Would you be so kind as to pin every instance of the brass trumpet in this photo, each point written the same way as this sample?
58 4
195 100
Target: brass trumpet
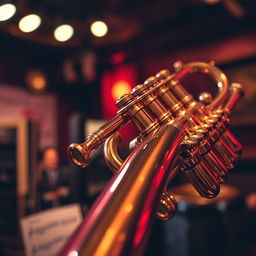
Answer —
177 134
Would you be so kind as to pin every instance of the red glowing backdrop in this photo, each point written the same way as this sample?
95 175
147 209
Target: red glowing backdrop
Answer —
115 82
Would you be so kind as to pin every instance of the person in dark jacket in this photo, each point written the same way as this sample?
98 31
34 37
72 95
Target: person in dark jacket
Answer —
55 182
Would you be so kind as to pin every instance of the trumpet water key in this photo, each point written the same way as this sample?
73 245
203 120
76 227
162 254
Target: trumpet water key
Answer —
177 134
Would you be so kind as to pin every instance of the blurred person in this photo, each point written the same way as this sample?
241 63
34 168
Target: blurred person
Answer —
55 184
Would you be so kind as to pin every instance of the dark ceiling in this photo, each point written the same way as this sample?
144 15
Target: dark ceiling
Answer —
136 25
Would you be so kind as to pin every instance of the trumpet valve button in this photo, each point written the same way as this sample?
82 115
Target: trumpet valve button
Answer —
139 90
163 74
205 98
123 100
151 81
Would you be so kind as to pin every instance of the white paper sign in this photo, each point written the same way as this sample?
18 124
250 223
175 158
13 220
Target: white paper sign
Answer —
46 232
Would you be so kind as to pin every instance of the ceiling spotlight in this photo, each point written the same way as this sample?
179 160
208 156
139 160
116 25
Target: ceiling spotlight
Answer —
99 28
29 23
7 11
63 32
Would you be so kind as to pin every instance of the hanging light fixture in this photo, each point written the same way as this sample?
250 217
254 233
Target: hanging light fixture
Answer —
7 11
99 28
63 32
29 23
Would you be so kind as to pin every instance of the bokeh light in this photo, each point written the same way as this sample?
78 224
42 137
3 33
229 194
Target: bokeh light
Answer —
7 11
29 23
63 32
99 28
36 80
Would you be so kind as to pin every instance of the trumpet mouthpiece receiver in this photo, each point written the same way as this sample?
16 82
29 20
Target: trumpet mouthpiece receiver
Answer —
79 155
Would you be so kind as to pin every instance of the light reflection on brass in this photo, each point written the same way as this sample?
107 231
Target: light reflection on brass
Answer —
110 152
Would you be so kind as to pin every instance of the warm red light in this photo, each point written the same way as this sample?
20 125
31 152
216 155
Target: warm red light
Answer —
36 80
120 88
122 76
117 58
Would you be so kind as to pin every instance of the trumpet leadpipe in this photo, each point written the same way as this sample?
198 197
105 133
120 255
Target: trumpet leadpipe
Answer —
80 153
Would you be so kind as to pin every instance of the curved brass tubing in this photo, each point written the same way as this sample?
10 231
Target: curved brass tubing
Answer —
214 72
111 155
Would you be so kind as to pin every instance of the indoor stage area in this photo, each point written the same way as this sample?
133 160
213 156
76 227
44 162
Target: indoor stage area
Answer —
127 128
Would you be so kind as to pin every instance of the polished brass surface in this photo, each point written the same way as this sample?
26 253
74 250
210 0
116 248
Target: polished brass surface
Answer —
111 154
176 134
217 168
232 142
196 169
137 113
151 102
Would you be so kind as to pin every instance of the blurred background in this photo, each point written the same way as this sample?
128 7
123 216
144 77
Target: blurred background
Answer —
64 63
